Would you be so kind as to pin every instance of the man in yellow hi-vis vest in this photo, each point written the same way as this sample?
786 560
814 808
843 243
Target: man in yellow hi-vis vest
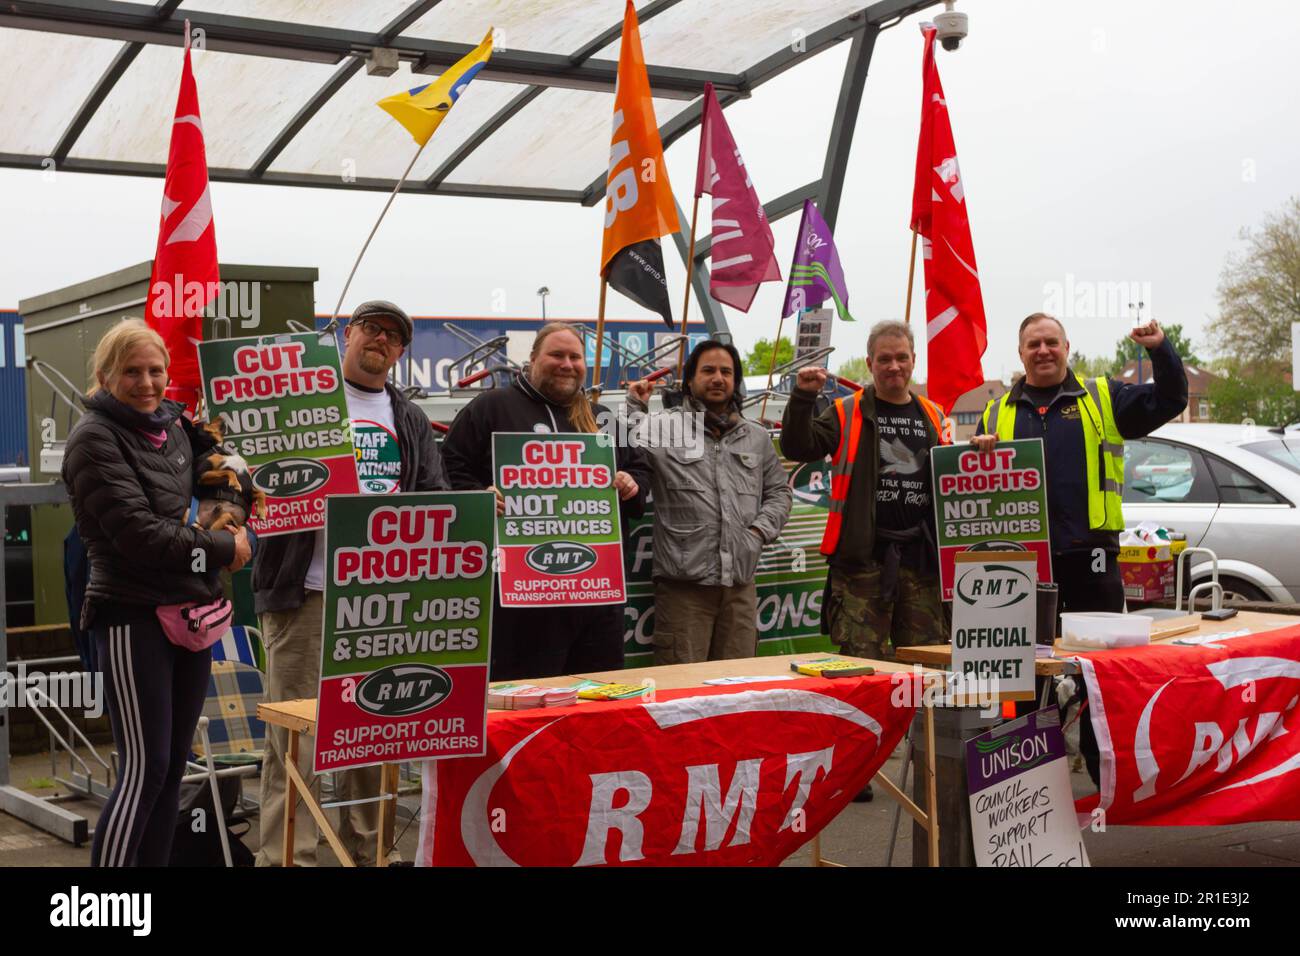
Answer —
1083 423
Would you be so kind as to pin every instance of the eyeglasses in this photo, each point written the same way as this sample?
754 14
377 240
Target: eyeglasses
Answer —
374 330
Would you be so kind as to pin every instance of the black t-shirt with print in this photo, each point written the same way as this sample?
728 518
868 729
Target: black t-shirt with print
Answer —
903 491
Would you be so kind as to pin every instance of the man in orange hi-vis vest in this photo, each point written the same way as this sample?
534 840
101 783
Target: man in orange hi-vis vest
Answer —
883 589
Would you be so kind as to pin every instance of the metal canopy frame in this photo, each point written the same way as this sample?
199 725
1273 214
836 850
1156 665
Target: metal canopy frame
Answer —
163 23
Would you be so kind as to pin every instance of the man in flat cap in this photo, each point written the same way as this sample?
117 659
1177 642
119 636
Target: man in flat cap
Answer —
289 576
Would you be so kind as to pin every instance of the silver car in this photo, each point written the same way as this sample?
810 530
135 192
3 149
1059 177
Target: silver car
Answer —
1231 488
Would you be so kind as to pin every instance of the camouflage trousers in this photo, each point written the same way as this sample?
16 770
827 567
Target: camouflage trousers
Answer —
864 625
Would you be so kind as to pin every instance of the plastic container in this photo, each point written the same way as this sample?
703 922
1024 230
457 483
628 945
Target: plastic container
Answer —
1105 629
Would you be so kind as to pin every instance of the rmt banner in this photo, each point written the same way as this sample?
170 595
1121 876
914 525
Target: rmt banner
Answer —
281 405
718 776
1202 734
990 501
559 542
407 622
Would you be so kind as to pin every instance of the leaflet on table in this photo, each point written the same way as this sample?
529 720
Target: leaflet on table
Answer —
559 541
280 402
406 628
597 690
990 501
831 667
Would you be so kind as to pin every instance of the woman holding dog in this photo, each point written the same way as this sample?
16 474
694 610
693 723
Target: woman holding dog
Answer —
129 468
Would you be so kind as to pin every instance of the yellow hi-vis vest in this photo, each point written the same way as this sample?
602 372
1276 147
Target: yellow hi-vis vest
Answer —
1101 439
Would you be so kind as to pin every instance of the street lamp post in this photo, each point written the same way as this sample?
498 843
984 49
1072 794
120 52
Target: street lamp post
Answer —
543 292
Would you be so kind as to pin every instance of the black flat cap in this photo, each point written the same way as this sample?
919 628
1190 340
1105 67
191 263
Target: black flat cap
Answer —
378 307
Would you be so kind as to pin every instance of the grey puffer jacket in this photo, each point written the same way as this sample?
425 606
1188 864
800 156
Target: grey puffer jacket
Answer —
711 496
130 499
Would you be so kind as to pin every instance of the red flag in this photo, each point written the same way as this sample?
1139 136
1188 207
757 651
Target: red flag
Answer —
742 250
185 277
1197 736
956 335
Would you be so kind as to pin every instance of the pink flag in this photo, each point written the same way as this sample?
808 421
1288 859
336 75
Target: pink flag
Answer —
742 251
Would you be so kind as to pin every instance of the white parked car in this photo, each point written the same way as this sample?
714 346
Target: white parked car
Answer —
1231 488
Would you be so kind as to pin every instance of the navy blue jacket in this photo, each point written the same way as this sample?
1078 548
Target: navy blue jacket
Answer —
1139 410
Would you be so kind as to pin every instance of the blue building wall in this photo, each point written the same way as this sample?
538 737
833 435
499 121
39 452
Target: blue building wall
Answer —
13 391
434 348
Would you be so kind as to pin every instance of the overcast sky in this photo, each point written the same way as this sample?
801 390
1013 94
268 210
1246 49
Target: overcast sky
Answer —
1101 143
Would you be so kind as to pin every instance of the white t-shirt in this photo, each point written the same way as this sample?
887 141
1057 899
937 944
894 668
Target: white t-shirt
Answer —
379 461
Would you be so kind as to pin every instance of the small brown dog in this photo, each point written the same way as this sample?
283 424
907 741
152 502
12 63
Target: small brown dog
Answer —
226 494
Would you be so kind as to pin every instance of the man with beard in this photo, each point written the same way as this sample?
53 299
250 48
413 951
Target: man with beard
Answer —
720 496
547 398
397 453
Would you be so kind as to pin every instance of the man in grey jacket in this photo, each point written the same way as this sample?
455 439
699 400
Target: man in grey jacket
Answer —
720 494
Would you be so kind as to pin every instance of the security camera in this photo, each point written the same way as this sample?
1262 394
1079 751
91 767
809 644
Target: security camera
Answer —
951 27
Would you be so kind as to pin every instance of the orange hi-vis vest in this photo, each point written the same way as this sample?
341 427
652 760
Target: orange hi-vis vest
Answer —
849 411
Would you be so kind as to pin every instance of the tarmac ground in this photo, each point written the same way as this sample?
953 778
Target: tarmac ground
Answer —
859 837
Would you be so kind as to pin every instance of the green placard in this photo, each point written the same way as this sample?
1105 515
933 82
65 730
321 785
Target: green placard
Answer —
559 541
281 405
990 501
406 629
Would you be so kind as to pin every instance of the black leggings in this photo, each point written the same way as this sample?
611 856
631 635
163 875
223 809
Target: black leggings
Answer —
155 694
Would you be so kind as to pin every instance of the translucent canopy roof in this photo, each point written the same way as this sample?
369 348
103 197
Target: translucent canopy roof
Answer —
287 87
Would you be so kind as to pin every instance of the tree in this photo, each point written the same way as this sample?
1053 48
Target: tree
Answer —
1259 292
1261 393
759 359
1089 367
855 369
1126 350
1259 298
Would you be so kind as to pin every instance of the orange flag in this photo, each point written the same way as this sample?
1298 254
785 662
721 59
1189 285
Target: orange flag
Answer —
639 205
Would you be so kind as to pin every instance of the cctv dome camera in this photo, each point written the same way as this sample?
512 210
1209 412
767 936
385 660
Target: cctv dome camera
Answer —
951 27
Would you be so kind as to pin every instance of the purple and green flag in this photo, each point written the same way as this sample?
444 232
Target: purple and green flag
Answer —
816 274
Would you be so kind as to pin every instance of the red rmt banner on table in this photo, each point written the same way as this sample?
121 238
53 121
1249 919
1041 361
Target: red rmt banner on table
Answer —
1197 736
700 777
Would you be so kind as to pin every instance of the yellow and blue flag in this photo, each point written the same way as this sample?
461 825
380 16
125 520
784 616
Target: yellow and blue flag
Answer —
422 109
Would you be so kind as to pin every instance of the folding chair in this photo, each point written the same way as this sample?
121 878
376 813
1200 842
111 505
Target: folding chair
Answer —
242 644
231 738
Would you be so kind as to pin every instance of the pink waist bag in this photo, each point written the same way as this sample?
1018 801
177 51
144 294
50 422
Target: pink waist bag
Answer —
196 627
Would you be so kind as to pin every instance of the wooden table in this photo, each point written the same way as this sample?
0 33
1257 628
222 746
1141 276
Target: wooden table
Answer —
298 717
939 656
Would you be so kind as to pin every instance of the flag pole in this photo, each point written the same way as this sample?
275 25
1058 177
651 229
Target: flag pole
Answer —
384 212
762 412
600 339
690 272
911 271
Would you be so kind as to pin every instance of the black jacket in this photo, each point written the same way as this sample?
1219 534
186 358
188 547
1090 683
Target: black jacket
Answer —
281 563
1139 410
521 408
808 436
130 501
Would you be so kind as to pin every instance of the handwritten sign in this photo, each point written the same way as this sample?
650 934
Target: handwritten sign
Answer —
1021 806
